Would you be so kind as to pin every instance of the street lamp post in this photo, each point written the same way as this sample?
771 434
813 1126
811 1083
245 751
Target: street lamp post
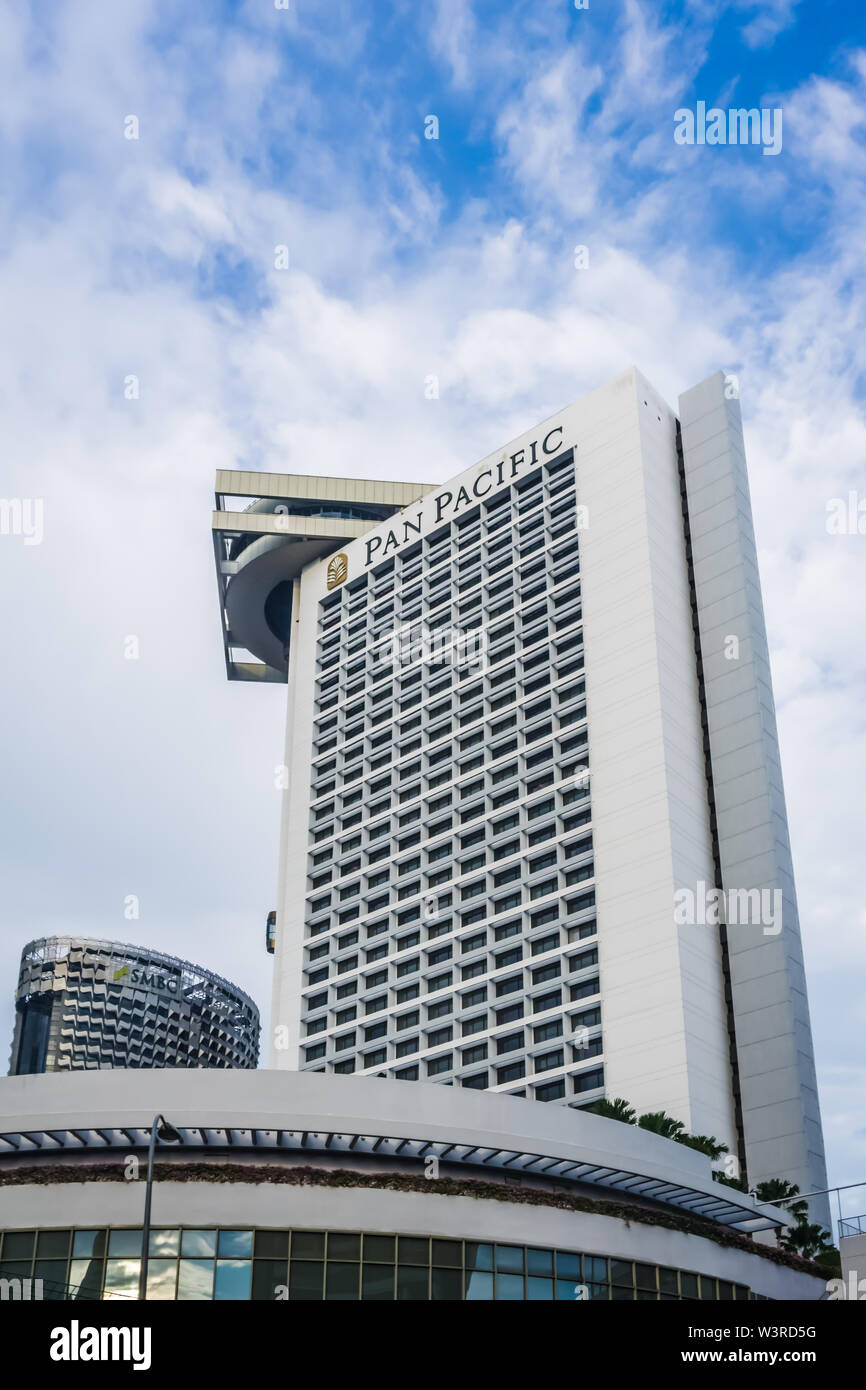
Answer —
160 1129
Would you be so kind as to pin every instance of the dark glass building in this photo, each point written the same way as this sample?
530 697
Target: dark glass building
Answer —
86 1005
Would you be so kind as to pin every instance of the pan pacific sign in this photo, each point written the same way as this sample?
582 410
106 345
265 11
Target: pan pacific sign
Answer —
442 506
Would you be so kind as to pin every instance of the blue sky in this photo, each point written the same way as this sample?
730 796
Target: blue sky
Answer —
154 258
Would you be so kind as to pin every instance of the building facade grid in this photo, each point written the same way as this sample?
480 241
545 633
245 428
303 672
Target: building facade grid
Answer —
450 928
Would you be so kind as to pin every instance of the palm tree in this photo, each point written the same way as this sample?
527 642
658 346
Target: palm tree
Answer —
615 1110
739 1183
704 1143
774 1189
659 1123
807 1240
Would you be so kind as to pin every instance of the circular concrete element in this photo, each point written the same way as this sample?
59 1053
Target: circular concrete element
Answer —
263 564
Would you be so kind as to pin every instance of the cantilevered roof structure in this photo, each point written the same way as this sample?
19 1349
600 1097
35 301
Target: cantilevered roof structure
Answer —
266 528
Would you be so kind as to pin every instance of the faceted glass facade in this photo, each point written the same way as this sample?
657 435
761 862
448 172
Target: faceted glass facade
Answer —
306 1266
86 1005
450 929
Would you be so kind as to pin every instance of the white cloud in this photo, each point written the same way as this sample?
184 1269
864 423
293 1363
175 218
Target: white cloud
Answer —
453 36
771 19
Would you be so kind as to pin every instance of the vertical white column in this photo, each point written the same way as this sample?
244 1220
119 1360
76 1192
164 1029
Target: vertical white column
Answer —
663 1011
294 835
781 1114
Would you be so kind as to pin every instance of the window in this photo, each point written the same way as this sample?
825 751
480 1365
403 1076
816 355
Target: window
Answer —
541 890
546 1061
509 1015
507 903
509 875
474 890
545 943
585 959
589 1080
474 1025
588 1018
510 957
545 917
507 929
477 967
509 986
472 943
513 1072
552 1090
468 866
585 990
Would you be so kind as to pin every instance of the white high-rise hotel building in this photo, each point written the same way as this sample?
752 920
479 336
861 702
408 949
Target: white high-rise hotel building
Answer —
502 827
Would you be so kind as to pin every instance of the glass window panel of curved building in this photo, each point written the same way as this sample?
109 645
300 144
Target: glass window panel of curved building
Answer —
333 1266
88 1005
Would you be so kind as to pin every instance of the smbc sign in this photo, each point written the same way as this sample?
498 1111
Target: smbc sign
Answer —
170 985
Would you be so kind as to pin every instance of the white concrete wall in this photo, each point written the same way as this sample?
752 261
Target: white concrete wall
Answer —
663 1019
852 1250
294 836
781 1113
265 1205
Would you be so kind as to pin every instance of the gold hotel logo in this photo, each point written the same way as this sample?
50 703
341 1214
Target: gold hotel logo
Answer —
338 569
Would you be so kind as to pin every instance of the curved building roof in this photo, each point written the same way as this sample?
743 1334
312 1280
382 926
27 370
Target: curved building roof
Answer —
310 1114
